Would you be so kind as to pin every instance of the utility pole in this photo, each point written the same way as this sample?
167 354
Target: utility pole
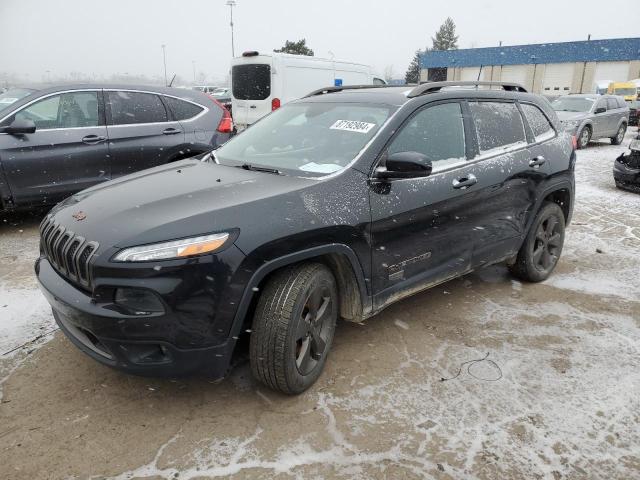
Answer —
232 3
164 60
193 63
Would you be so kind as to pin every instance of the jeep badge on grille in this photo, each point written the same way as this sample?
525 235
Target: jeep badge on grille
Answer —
79 216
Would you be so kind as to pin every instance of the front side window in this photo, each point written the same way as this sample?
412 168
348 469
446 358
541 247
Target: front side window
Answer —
135 107
309 139
611 104
602 104
251 82
538 122
67 110
437 132
498 125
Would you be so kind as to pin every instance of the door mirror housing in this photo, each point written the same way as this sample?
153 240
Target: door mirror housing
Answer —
405 165
19 126
600 110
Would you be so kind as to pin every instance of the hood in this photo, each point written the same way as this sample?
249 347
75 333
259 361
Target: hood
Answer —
564 116
168 202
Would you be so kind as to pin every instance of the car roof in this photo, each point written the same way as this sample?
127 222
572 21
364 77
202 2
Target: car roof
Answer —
44 89
399 95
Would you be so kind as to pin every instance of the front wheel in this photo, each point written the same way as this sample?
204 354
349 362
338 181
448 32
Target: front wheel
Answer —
585 137
542 247
617 140
293 327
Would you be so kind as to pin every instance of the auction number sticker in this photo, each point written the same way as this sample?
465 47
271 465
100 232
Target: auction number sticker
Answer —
352 126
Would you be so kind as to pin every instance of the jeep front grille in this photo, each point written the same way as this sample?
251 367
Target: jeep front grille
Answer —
69 254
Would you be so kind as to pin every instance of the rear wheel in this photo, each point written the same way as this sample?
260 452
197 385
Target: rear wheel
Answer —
585 137
619 137
541 250
293 327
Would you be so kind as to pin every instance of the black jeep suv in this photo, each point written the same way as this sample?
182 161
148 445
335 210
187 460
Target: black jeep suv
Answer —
333 206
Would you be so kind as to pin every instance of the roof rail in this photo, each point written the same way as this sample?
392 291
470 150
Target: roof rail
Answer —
322 91
432 87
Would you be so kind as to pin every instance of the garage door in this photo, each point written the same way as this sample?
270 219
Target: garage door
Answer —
612 71
515 74
557 78
469 74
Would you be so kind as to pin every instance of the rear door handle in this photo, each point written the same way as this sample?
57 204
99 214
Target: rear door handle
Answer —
537 161
171 131
465 182
93 139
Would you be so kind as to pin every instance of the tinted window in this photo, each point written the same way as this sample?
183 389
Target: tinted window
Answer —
69 110
437 132
612 104
251 82
182 110
134 107
537 121
498 125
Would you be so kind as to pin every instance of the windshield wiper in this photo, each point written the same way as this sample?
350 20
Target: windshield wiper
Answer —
254 168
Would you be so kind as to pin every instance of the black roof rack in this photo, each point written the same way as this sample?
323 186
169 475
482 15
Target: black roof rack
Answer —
322 91
432 87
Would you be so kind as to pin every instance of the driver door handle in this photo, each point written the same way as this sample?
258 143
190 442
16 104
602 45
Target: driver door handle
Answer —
93 139
171 131
537 161
465 182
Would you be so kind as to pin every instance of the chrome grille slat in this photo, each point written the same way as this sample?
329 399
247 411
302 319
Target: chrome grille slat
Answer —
69 254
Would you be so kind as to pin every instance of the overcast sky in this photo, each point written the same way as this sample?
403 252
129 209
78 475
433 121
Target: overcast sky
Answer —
118 36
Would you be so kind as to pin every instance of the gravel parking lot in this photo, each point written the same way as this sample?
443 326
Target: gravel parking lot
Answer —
557 397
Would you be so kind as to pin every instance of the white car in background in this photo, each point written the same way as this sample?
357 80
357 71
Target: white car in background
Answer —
263 83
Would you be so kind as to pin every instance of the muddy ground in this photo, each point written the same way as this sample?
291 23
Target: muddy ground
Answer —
562 399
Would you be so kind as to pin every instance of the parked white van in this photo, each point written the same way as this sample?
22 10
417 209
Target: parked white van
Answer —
262 83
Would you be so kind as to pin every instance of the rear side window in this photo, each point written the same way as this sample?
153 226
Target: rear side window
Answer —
437 132
498 125
134 107
182 110
612 104
251 82
538 122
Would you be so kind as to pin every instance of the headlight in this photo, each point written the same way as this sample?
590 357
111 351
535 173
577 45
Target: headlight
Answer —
186 247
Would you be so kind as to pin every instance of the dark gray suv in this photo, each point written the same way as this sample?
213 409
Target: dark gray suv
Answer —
57 141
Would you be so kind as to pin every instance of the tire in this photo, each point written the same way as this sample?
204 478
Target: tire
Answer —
619 137
584 137
542 247
293 327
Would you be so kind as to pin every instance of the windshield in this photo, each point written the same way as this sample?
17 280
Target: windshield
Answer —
572 104
251 82
311 138
13 95
624 91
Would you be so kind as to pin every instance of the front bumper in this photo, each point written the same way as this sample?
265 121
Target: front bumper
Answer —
626 177
172 343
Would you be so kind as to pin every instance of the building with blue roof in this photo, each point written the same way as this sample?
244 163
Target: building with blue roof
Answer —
548 68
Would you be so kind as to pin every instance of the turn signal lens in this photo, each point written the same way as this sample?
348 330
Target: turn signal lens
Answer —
187 247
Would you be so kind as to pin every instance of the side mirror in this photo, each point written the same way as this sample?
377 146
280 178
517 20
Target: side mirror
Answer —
600 110
19 126
405 165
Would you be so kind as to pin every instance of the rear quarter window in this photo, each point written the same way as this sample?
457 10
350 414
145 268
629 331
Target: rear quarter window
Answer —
538 122
498 125
182 110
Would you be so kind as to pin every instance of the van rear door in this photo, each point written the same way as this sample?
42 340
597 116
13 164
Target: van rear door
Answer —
251 90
